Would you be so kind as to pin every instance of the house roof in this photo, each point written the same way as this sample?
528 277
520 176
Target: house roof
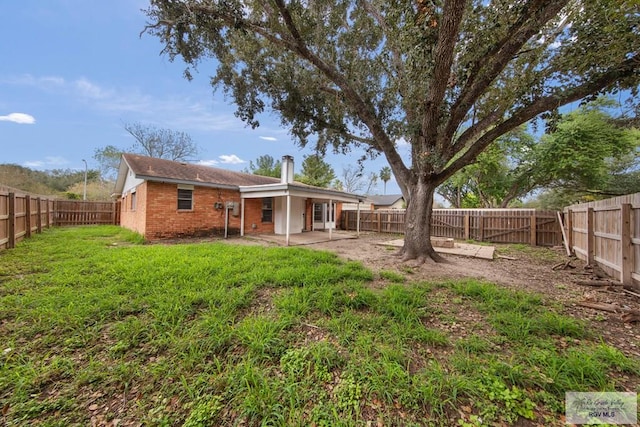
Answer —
386 200
154 169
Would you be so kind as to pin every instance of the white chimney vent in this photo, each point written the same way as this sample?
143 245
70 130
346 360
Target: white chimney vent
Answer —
287 170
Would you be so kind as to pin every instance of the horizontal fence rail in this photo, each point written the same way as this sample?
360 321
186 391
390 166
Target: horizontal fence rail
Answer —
607 233
530 226
22 215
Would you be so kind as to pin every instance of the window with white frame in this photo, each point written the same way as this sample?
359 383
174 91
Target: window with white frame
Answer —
267 209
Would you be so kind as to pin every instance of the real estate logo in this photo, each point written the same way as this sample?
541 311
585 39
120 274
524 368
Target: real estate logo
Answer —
601 408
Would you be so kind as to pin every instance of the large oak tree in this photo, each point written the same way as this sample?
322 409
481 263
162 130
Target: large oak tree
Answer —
448 77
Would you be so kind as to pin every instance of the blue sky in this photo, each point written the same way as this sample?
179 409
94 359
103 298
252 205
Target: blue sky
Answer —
72 72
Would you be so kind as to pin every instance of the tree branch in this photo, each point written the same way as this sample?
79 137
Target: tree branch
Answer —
489 66
626 68
447 36
365 111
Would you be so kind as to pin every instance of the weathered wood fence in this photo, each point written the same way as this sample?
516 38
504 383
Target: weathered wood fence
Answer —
22 215
607 233
530 226
75 212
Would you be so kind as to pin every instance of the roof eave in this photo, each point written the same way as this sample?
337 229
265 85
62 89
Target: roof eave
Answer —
187 181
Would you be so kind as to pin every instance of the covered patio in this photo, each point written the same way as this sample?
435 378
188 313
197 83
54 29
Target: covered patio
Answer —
295 208
306 238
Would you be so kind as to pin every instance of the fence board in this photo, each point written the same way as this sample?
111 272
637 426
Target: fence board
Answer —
607 232
490 225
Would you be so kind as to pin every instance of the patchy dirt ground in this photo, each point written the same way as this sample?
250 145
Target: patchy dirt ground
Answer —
524 268
530 270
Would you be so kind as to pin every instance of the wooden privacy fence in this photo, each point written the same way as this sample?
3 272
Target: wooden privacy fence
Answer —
22 214
607 233
75 212
528 226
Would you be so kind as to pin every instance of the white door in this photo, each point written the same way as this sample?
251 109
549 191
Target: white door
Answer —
324 217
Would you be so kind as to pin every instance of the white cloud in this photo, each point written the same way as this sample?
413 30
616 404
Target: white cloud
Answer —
48 162
20 118
44 83
268 138
88 89
173 111
228 159
231 159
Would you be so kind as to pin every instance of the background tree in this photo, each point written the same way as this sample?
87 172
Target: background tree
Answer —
149 141
58 182
503 172
109 159
586 150
97 190
162 143
316 172
266 166
385 176
354 180
446 77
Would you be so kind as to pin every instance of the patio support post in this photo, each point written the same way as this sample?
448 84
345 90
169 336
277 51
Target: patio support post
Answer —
288 219
358 220
241 217
331 217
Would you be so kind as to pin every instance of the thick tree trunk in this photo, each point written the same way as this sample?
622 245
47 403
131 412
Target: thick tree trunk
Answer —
417 227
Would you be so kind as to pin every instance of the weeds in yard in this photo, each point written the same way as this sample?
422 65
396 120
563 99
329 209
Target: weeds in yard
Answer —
215 334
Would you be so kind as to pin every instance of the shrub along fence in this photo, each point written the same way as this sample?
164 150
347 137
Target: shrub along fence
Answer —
23 214
530 226
607 233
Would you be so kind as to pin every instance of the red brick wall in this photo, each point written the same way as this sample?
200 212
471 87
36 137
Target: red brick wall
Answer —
157 215
253 216
308 217
338 214
135 219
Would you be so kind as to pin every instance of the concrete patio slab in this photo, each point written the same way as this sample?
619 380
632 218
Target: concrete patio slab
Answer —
306 238
463 249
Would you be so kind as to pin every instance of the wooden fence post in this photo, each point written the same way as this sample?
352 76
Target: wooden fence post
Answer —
379 221
625 246
27 218
481 226
590 237
534 230
467 227
569 224
12 221
48 213
39 219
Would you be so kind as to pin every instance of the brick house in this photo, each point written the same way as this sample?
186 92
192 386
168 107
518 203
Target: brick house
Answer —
165 199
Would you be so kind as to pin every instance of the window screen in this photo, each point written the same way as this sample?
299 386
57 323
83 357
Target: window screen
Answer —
185 199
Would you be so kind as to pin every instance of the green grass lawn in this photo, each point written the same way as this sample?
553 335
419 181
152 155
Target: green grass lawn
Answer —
97 327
